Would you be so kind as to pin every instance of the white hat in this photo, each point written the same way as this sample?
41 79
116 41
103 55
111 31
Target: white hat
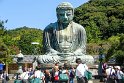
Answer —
110 67
118 67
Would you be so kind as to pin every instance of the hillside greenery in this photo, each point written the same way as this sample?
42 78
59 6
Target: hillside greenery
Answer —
23 38
104 24
4 50
101 18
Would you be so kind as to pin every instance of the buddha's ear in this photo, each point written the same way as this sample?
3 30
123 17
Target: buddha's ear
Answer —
57 15
73 12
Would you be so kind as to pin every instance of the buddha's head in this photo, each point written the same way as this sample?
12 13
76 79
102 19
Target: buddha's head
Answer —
65 12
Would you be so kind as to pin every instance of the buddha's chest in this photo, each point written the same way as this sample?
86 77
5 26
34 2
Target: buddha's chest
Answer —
65 35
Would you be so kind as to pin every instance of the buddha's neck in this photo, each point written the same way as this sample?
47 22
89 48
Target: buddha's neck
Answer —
64 25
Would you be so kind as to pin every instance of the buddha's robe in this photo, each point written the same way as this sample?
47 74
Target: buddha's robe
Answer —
70 40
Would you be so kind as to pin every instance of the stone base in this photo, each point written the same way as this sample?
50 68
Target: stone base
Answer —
88 59
49 61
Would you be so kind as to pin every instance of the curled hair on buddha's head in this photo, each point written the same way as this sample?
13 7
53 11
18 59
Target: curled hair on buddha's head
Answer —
64 5
78 60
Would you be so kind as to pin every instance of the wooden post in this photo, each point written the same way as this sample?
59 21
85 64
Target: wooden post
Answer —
7 68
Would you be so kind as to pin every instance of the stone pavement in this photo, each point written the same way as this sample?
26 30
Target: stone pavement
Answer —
75 81
94 81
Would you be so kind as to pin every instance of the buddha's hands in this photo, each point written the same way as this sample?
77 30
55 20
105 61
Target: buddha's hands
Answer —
78 52
54 51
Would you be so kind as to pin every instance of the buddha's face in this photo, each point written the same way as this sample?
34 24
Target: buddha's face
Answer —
65 15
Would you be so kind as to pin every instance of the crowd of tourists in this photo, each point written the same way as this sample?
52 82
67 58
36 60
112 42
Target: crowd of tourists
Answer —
58 74
65 74
5 77
112 74
45 76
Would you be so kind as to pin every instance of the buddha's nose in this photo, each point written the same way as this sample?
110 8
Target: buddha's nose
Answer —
65 16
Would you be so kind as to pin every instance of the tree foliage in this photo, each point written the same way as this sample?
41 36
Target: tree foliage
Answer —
104 22
117 50
22 37
4 50
26 46
101 18
2 28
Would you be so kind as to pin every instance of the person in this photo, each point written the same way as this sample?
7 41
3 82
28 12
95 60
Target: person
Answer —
110 72
80 71
119 74
17 78
64 73
64 38
47 76
4 77
102 65
24 76
52 75
71 74
38 75
56 66
56 75
103 77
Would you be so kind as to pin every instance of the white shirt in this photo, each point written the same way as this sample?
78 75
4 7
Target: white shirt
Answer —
56 73
24 75
81 68
109 71
38 74
63 71
2 77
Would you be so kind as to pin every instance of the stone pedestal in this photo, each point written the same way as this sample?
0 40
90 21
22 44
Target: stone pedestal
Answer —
48 61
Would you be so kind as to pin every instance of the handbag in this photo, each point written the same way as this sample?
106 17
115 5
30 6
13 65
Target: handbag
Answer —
56 77
122 76
7 78
37 80
88 75
17 81
63 77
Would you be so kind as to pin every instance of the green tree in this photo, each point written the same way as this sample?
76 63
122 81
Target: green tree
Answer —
117 50
106 17
2 28
5 55
27 38
18 38
119 56
4 51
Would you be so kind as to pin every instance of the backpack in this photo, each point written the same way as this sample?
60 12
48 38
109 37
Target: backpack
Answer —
63 77
72 74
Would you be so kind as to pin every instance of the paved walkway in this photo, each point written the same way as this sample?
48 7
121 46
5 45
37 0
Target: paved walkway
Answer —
94 81
12 81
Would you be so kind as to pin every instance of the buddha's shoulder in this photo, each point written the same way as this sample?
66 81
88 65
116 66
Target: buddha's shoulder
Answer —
51 26
77 25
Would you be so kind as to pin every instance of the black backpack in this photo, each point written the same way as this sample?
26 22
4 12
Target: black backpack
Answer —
72 74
